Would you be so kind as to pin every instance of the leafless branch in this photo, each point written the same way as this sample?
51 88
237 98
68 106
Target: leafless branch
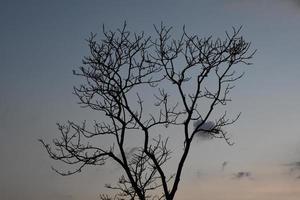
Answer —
121 67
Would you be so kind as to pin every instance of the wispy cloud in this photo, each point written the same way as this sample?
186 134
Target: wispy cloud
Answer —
295 165
294 168
204 129
242 175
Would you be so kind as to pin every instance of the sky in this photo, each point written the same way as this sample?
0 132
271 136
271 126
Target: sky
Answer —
43 41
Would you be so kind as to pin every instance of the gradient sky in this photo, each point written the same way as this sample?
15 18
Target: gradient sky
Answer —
41 42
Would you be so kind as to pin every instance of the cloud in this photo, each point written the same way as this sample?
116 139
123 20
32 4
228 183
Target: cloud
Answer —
295 165
205 129
294 168
242 175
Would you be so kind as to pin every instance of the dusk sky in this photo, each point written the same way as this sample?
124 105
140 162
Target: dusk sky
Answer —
41 42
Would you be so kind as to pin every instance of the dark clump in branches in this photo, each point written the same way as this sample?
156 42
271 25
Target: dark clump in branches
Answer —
200 70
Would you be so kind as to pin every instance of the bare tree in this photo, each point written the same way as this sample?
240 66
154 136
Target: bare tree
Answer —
185 74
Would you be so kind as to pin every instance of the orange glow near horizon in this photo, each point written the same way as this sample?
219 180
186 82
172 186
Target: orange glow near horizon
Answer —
266 184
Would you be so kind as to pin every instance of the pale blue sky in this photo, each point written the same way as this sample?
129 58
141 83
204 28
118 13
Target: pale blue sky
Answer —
41 42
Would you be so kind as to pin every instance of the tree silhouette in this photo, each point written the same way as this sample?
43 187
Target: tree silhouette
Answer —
189 77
